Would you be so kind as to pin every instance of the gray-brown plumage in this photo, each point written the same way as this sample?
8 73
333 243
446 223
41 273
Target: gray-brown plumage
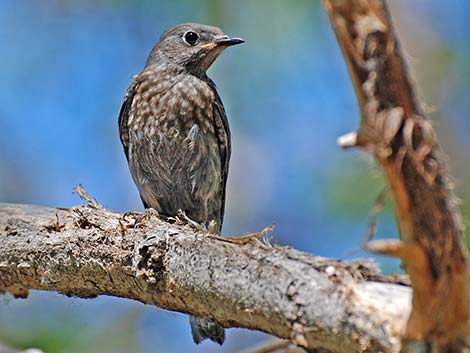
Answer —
175 134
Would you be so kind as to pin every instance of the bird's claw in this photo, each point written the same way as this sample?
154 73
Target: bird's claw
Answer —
200 227
144 218
212 227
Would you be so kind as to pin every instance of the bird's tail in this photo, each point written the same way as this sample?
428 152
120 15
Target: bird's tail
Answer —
203 328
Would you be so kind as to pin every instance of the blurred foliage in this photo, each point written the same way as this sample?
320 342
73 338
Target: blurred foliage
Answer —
353 194
64 328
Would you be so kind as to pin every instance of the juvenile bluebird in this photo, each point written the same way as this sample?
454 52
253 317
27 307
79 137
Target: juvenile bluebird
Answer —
176 136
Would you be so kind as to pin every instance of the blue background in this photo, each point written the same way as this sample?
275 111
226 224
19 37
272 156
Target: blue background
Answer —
66 66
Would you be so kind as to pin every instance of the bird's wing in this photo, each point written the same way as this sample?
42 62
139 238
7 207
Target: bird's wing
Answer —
223 136
124 117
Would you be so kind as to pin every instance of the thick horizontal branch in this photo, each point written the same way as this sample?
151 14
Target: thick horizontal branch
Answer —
88 251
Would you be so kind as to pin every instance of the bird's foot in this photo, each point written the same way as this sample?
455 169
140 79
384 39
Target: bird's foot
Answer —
200 227
246 238
212 227
144 218
126 222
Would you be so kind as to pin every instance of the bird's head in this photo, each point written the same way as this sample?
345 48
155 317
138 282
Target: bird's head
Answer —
192 46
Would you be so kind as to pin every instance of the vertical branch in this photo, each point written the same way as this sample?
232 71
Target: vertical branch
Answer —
394 128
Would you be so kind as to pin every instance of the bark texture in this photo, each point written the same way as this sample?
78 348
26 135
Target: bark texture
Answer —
394 128
88 251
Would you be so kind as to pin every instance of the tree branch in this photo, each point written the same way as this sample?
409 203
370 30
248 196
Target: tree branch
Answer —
394 128
88 251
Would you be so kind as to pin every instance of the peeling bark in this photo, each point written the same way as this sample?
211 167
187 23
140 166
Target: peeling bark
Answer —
394 128
88 251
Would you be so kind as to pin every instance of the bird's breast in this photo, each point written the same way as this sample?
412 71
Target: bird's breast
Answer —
171 104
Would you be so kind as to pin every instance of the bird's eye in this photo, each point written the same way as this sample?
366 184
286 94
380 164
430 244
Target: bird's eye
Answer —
191 38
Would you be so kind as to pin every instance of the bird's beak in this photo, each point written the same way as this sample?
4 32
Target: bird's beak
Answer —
223 42
229 41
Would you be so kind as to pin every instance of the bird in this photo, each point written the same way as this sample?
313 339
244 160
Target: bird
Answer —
176 136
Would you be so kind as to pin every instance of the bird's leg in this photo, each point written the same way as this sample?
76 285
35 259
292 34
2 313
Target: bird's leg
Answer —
244 239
